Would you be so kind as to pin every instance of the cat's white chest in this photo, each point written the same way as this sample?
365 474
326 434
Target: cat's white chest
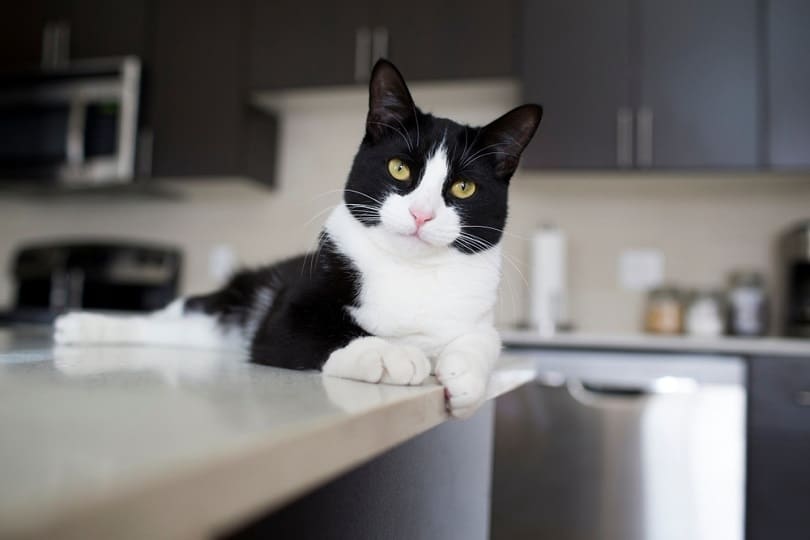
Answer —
400 301
426 303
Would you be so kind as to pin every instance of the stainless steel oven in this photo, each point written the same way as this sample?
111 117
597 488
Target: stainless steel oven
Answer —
72 125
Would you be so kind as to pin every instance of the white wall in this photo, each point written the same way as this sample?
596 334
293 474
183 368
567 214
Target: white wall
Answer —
705 224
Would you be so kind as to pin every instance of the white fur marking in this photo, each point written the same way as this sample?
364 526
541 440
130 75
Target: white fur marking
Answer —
167 327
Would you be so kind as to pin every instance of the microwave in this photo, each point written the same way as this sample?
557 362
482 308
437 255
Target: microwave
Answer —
73 126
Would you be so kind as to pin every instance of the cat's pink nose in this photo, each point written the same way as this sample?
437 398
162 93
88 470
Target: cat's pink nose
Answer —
421 216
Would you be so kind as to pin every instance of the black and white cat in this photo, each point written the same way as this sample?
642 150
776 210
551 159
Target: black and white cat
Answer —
405 277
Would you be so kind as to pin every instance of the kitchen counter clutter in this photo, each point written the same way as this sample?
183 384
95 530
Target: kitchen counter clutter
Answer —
183 443
653 343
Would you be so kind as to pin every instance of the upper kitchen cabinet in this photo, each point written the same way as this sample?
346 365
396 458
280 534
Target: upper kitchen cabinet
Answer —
576 63
21 31
335 43
698 94
49 31
201 122
100 28
788 78
453 39
297 45
647 84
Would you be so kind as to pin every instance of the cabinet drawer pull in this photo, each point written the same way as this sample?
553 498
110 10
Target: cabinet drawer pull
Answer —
803 398
362 52
379 44
644 143
624 137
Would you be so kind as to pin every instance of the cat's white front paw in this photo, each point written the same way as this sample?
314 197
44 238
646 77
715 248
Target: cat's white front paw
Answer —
373 359
465 383
77 328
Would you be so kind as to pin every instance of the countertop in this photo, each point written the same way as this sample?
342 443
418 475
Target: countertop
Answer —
184 443
650 343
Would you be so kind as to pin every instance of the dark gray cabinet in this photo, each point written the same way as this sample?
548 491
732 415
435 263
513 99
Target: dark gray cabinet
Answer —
200 116
298 45
332 43
778 470
97 29
788 83
698 84
577 64
452 39
648 84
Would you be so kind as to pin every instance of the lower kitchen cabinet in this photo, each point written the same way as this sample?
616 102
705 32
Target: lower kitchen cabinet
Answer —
778 446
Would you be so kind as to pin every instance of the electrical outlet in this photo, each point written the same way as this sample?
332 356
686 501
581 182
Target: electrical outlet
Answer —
641 269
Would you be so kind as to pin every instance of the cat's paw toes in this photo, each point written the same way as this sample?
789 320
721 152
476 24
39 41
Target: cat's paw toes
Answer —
373 359
464 385
76 328
404 365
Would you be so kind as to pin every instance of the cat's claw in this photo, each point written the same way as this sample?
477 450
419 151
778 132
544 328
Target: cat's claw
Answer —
464 384
373 359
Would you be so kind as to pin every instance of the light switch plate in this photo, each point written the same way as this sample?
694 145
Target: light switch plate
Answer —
641 269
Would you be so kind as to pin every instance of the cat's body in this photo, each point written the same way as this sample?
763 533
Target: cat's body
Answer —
404 280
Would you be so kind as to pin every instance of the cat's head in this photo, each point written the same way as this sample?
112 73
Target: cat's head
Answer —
425 183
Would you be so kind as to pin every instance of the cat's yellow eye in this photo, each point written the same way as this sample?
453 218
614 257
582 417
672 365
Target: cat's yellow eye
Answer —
462 189
399 170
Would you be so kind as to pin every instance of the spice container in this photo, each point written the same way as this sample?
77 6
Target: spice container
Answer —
704 314
664 312
747 304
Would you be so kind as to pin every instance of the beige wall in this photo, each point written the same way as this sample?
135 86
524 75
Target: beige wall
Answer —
704 224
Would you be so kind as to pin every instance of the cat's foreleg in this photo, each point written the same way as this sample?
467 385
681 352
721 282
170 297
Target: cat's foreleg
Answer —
375 360
463 368
171 326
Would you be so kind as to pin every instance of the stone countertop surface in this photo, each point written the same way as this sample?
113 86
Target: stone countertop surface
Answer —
737 346
155 442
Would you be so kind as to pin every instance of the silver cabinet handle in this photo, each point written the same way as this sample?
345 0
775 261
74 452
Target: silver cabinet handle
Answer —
362 52
644 143
624 137
379 44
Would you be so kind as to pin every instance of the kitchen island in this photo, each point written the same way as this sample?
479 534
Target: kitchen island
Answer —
130 442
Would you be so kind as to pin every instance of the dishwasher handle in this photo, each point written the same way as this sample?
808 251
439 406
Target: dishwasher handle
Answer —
592 392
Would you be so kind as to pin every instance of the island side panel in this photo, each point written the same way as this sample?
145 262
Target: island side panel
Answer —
436 485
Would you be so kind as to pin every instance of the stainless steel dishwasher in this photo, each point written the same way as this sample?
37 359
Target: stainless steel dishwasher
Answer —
622 446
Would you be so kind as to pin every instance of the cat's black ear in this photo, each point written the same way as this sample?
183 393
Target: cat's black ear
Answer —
507 136
390 105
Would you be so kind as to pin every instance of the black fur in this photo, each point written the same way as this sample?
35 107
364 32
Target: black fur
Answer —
308 317
311 295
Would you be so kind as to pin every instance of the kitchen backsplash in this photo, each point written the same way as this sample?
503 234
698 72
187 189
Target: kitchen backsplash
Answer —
704 224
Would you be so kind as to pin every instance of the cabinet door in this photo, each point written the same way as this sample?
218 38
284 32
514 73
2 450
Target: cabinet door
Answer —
698 74
576 64
197 88
788 78
294 44
100 28
21 27
453 39
778 469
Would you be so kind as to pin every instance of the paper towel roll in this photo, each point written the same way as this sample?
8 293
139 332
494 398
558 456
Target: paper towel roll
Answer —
547 309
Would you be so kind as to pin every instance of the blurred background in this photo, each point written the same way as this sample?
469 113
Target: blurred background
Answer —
149 148
672 162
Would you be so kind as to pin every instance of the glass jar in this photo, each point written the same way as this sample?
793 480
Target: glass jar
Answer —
704 314
747 304
664 311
